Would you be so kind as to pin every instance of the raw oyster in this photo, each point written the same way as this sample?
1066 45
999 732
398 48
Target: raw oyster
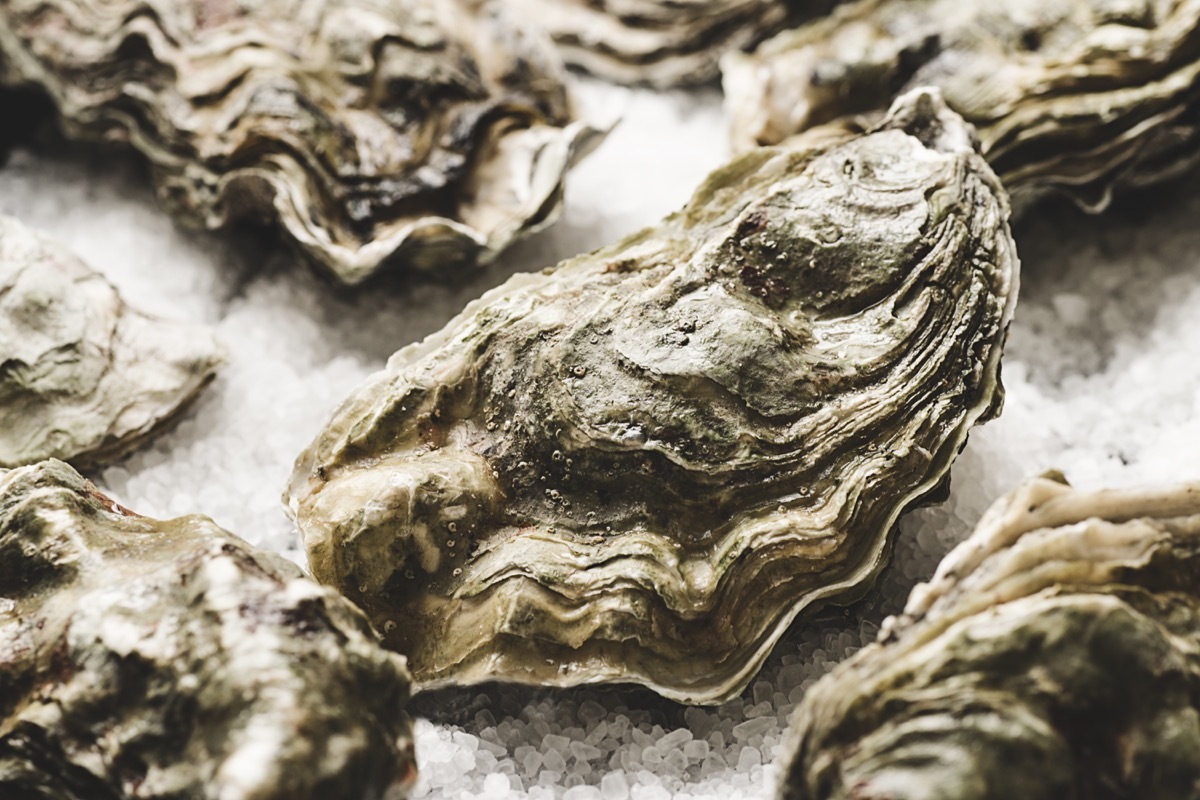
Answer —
83 376
1054 654
641 465
154 659
428 132
659 42
1073 96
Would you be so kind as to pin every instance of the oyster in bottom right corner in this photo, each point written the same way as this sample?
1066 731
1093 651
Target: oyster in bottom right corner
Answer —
1054 654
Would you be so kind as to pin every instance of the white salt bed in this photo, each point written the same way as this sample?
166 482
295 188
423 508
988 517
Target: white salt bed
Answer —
1102 371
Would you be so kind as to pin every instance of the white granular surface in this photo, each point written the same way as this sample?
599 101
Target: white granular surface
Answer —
1102 371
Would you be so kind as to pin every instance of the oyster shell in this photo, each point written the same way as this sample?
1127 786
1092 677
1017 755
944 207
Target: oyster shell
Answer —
423 131
83 376
659 42
641 465
1054 654
154 659
1074 96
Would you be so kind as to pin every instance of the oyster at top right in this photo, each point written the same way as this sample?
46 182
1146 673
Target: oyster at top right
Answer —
1054 654
1071 96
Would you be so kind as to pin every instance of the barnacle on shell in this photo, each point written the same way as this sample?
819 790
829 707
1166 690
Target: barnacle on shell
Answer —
641 465
169 659
423 132
83 376
658 42
1054 654
1073 96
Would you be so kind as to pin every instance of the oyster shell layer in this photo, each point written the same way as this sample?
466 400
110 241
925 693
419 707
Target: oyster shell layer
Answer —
640 465
652 41
154 659
1075 96
428 132
83 376
1054 654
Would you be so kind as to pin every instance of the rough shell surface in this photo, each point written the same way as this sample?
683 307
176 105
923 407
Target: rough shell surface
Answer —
425 132
641 465
1055 653
83 376
1073 96
151 659
657 42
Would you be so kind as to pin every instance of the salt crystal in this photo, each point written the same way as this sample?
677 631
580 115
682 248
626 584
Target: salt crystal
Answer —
675 738
753 727
465 740
532 762
554 761
700 722
749 757
485 761
495 786
584 752
613 786
592 712
675 761
641 792
713 762
556 742
597 734
583 793
642 738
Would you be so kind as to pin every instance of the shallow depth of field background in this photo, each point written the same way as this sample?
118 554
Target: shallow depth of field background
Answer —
1102 372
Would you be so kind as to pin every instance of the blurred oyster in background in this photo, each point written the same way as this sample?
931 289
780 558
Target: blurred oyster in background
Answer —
83 376
641 465
154 659
430 133
658 42
1055 653
1077 96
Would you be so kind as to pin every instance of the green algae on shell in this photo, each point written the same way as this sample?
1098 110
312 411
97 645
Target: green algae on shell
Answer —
84 377
641 465
426 133
170 659
1054 654
1072 96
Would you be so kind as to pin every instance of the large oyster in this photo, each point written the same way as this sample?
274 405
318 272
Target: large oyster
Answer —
424 131
1075 96
83 376
659 42
161 660
642 464
1054 654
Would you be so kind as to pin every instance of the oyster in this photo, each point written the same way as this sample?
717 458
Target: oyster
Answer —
170 659
1072 96
641 465
83 376
1054 654
659 42
428 132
